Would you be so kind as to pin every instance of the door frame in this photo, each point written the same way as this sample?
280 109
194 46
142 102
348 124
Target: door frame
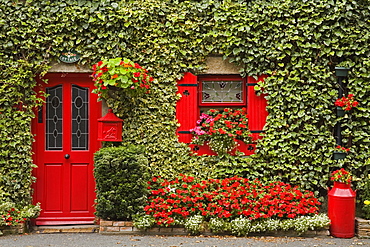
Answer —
94 144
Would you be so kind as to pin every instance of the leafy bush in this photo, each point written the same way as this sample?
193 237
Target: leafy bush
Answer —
230 198
365 198
12 215
121 180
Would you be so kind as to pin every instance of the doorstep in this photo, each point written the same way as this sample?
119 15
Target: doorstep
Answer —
127 228
66 229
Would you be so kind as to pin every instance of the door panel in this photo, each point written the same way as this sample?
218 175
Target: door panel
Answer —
65 142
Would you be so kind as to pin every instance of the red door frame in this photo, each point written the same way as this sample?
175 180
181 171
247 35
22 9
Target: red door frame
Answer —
65 187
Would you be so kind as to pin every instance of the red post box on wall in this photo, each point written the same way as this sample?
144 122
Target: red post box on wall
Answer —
110 128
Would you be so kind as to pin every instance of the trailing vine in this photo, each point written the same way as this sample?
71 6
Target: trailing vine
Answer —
296 43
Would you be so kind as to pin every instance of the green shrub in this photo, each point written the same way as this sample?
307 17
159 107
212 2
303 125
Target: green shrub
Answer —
121 179
364 198
12 215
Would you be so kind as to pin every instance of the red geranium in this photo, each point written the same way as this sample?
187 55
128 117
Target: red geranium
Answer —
227 198
221 129
120 73
347 103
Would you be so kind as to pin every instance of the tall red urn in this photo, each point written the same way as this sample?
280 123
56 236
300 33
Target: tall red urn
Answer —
341 210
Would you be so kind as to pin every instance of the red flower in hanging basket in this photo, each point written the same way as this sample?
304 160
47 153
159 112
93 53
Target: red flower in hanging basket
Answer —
341 149
347 103
120 73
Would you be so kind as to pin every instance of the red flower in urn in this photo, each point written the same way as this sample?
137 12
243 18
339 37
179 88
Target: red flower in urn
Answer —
341 175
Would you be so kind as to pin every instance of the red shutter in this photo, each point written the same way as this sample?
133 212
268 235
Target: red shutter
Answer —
256 108
187 110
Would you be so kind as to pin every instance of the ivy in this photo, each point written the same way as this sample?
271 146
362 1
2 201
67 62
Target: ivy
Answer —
296 43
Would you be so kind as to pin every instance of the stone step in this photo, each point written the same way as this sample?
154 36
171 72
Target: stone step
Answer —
66 229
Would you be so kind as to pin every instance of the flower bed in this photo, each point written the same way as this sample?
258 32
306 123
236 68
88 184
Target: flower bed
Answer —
236 205
127 228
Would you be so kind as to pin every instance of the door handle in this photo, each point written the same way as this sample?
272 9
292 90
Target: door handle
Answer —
67 156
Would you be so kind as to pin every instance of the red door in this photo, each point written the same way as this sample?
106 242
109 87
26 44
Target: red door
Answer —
65 131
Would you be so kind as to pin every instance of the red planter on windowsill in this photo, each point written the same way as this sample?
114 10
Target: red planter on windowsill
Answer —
247 149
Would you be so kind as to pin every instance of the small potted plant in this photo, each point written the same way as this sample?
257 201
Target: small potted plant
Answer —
340 152
345 104
122 74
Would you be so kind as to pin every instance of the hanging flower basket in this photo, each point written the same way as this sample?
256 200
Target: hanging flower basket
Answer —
120 74
339 156
340 112
340 152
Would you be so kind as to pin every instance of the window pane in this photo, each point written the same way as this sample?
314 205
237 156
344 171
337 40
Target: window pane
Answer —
222 92
80 123
54 118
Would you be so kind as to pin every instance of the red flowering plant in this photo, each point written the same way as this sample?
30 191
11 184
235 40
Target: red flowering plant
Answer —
341 175
341 149
221 129
11 215
120 73
171 202
347 103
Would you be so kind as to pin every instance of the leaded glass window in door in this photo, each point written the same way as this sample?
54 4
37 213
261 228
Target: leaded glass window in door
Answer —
80 118
54 118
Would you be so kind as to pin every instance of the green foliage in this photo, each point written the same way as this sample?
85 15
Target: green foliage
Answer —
13 215
121 180
364 197
296 43
120 74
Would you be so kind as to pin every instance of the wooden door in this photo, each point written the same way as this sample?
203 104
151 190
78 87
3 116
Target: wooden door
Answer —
65 131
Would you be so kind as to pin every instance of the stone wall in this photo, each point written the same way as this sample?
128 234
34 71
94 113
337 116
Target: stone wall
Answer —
362 228
19 229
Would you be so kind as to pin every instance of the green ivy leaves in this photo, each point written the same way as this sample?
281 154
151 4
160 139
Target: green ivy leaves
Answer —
296 43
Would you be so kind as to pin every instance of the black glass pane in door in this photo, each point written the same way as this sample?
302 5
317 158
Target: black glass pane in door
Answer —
80 118
54 118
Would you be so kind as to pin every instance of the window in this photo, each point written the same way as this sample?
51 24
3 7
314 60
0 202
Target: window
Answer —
200 93
226 91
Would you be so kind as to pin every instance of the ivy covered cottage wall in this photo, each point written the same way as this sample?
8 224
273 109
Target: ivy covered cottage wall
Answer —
296 44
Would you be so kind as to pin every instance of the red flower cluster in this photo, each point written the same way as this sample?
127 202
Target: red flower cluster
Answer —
12 218
347 103
342 149
341 175
222 128
226 198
